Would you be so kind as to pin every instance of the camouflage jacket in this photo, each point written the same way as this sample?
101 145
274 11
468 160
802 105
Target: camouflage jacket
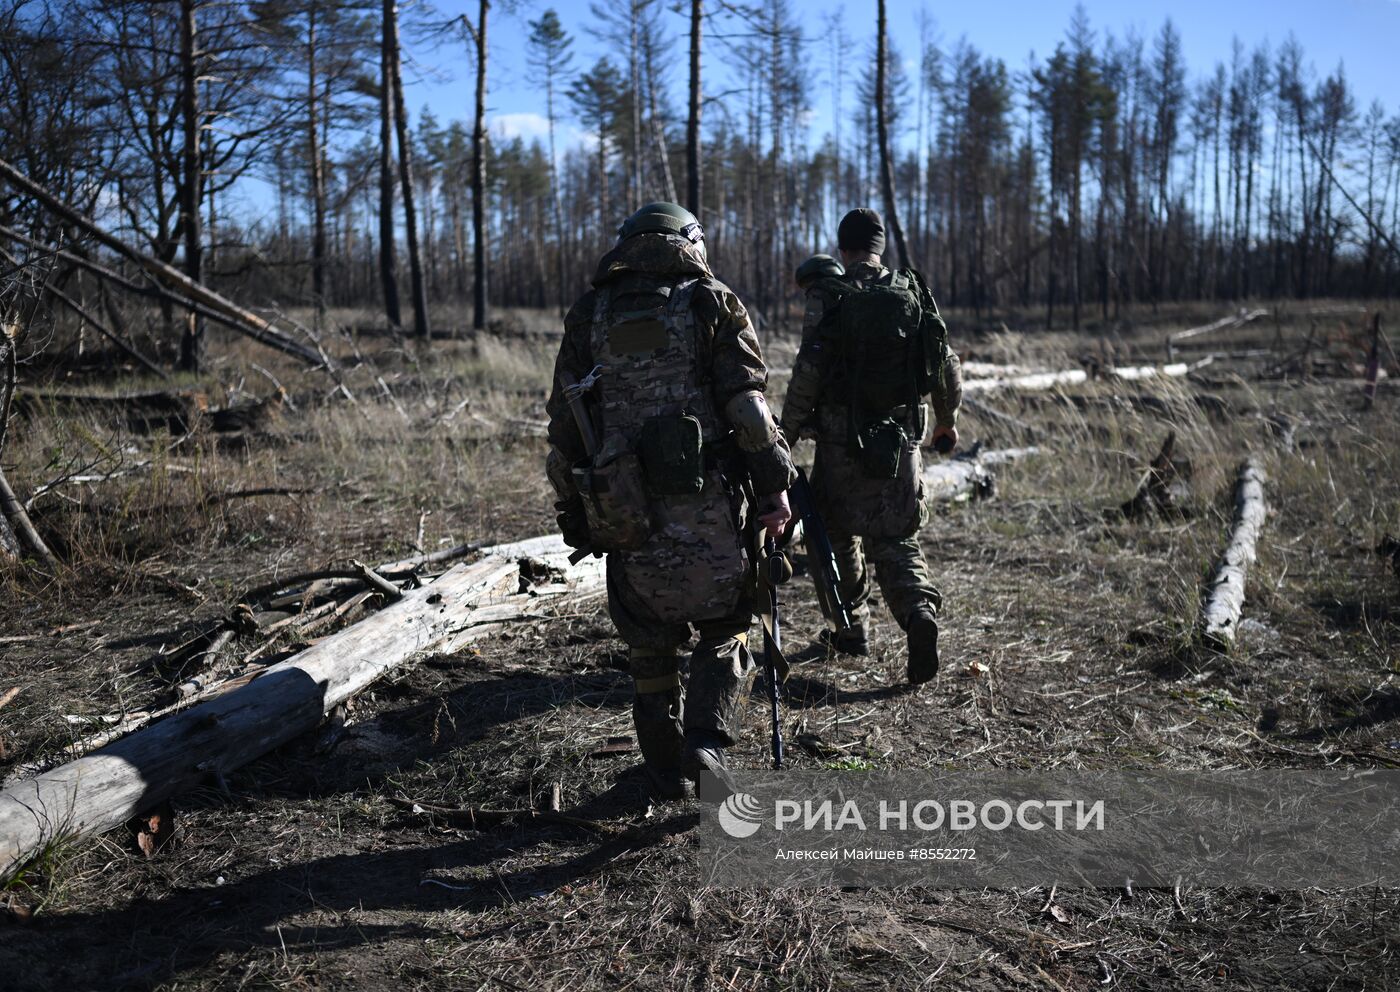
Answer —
810 372
732 362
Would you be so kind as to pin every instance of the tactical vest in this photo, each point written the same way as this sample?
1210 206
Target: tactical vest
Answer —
655 408
654 397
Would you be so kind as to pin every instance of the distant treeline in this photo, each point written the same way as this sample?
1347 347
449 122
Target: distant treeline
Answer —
1102 175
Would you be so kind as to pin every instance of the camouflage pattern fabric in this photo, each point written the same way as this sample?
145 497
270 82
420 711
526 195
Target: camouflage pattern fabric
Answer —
868 519
721 668
851 502
811 370
672 339
900 570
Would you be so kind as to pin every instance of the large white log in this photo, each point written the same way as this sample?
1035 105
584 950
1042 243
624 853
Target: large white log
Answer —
963 477
1224 601
1038 381
131 775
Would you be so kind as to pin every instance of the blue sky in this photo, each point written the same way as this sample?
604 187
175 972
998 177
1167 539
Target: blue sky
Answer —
1362 33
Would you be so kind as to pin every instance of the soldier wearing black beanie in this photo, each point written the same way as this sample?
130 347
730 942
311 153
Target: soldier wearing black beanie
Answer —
858 404
861 232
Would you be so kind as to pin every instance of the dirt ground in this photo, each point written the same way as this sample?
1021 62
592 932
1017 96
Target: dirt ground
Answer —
1067 642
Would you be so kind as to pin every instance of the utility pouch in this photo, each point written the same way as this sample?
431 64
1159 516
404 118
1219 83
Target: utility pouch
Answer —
672 455
881 444
614 501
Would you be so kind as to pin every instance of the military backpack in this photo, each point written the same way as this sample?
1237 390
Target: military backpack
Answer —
892 347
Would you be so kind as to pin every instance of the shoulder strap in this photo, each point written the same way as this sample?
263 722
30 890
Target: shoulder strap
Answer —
678 308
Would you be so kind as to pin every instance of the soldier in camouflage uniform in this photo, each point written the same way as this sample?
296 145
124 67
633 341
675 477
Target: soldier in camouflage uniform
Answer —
867 518
679 386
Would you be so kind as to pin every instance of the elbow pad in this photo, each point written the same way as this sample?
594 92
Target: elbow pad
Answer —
754 428
766 454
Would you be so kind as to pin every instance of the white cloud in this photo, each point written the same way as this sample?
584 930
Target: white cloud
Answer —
530 127
527 125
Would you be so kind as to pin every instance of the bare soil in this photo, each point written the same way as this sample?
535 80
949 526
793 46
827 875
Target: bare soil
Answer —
1067 641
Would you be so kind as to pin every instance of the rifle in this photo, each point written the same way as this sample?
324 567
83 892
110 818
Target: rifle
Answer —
776 570
573 394
826 574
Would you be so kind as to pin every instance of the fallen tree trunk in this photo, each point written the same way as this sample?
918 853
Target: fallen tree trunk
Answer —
1069 377
175 410
132 775
247 719
969 475
1220 611
244 321
995 417
1224 323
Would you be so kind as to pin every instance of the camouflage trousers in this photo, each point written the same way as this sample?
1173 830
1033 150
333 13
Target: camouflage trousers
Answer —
900 570
875 519
665 705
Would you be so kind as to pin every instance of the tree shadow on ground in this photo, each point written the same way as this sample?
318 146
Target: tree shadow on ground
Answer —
405 736
1360 708
1351 614
802 692
146 943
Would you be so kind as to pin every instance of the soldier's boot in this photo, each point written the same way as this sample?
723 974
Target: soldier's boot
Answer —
922 630
704 753
721 674
854 640
657 704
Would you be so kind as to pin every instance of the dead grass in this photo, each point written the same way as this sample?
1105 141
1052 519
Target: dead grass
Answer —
1068 641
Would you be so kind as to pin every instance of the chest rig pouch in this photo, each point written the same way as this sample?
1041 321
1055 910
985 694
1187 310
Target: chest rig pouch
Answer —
672 454
613 499
881 444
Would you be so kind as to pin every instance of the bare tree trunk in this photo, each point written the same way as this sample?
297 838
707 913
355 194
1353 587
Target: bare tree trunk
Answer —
479 177
634 57
556 200
883 133
415 256
192 340
692 125
663 155
388 277
9 345
318 172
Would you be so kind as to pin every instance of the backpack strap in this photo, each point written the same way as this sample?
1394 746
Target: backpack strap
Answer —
678 308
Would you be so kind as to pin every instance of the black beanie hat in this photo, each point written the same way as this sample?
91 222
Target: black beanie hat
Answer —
861 230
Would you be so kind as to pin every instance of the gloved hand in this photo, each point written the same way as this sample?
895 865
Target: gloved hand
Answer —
572 521
944 439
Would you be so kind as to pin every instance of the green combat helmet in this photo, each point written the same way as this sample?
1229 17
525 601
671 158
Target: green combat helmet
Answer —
818 267
662 218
